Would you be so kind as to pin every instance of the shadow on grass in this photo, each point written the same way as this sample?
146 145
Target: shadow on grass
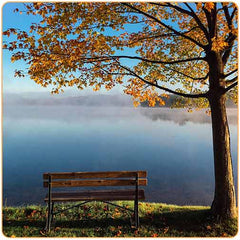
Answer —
178 222
89 223
23 223
187 219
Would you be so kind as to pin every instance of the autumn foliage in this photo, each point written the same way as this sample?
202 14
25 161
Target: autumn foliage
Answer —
143 46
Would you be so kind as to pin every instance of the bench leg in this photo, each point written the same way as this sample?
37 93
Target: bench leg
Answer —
52 212
49 217
136 216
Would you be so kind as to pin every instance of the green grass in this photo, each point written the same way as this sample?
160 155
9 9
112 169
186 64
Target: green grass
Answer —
95 220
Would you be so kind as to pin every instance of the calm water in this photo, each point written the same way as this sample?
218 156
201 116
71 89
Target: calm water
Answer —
174 146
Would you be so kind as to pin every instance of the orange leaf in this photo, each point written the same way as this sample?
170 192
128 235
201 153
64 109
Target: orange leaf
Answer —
209 227
209 6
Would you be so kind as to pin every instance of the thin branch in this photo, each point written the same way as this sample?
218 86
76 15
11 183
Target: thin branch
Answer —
190 13
150 37
158 36
164 88
164 25
233 13
230 73
228 51
198 21
179 9
158 61
232 80
185 75
208 17
227 16
106 58
193 15
231 86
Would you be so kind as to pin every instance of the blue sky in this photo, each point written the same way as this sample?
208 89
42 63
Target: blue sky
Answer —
15 20
20 85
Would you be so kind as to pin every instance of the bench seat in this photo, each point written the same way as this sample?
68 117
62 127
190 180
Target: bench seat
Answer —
102 195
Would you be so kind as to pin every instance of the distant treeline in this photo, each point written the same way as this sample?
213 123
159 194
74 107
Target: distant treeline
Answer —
172 99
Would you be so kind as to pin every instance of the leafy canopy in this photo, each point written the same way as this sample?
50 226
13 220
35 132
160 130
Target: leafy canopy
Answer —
143 46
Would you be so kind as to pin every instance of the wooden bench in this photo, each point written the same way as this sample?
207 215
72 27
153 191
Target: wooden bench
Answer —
94 179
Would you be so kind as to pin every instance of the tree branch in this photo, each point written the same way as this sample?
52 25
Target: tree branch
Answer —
158 36
164 25
158 61
208 16
228 74
164 88
232 80
233 13
198 21
227 16
185 75
231 86
228 51
193 15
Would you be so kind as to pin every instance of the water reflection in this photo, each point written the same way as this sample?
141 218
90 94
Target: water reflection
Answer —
178 159
181 116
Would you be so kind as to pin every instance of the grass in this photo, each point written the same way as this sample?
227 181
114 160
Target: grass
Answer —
96 220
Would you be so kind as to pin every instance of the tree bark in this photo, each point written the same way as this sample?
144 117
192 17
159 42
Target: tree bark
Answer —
224 203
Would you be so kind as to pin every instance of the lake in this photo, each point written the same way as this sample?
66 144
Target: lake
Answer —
174 146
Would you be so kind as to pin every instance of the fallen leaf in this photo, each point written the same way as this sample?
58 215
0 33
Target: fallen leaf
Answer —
136 232
165 230
209 227
119 233
42 232
224 235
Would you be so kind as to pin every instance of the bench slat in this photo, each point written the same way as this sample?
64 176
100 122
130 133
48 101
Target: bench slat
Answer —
96 195
113 174
95 183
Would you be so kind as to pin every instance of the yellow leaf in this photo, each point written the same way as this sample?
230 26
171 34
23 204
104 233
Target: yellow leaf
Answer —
218 44
96 88
199 5
136 103
165 230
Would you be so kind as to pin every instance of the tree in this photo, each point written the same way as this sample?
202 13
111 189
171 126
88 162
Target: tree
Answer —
187 49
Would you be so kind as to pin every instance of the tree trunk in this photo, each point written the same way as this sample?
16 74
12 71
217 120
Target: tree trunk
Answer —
224 203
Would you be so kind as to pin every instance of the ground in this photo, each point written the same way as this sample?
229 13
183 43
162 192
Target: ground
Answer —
96 220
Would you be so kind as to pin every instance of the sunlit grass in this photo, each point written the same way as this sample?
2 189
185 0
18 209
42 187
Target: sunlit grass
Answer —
96 220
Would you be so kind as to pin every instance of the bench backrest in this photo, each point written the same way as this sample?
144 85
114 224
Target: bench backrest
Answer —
95 179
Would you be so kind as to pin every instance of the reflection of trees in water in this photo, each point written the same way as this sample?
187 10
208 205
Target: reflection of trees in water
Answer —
181 116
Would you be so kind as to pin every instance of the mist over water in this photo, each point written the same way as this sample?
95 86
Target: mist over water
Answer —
174 146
